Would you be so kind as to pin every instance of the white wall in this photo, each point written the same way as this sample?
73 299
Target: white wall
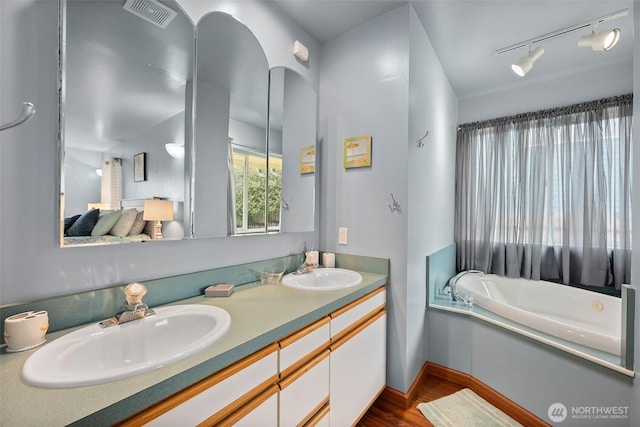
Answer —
82 183
364 90
384 79
431 183
542 94
32 266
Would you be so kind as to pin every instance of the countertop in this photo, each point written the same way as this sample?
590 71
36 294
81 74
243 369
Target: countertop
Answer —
260 315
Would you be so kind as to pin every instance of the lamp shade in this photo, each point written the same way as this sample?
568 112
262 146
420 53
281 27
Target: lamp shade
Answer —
175 150
158 210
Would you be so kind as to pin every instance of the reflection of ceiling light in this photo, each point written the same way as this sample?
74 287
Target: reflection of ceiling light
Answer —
175 150
523 65
603 40
99 172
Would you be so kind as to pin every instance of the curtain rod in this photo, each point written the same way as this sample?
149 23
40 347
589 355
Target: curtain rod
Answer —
582 106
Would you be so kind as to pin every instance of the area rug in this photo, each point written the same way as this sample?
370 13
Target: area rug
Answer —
464 409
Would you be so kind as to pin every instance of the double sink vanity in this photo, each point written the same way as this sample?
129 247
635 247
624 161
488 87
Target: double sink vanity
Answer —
261 354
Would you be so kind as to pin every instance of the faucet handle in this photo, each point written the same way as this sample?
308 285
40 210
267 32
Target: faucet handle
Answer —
134 292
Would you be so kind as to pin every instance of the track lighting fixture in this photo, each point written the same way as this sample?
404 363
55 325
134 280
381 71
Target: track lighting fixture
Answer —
598 41
523 65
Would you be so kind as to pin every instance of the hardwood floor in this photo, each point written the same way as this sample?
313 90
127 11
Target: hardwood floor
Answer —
384 413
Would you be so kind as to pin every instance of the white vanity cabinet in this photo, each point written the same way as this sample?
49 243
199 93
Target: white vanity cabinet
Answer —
358 358
304 374
327 373
242 392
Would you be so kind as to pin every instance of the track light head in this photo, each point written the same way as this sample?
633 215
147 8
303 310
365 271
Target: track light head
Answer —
523 65
600 41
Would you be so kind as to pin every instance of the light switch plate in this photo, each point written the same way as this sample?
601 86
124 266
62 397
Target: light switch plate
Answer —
342 235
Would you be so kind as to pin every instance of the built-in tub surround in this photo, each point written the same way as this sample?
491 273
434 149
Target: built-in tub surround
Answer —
585 324
261 314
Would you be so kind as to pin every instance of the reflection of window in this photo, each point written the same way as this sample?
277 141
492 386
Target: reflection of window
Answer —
250 178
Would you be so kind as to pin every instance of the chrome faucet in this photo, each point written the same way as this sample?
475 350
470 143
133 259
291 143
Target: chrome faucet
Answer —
310 263
134 309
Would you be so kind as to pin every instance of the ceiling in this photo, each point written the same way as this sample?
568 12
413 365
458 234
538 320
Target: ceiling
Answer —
465 34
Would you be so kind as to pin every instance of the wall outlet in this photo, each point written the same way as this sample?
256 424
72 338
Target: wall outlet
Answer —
342 235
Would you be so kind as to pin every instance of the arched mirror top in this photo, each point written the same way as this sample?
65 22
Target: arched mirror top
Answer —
231 104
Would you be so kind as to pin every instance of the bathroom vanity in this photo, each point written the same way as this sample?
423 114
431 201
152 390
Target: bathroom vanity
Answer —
289 358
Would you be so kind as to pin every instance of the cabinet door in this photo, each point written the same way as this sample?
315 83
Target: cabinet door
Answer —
357 370
305 391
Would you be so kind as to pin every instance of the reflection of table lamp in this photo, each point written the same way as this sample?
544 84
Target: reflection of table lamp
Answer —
157 210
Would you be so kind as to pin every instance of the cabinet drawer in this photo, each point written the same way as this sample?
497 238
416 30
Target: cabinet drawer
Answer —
304 392
299 347
263 412
204 401
347 316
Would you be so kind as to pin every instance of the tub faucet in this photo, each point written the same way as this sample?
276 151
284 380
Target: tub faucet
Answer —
134 309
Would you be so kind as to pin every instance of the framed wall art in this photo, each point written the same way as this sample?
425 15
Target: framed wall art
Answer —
307 159
357 152
140 167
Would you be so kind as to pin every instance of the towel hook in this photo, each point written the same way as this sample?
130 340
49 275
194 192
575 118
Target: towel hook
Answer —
420 141
395 206
28 110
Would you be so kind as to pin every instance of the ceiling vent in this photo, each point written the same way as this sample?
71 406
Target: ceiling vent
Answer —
151 10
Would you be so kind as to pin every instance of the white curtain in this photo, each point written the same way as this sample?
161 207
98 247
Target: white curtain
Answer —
547 195
111 183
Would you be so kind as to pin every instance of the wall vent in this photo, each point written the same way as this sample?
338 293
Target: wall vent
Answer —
151 11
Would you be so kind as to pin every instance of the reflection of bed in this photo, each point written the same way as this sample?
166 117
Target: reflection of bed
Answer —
107 239
105 227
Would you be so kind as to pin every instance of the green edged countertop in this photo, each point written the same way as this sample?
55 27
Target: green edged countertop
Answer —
260 315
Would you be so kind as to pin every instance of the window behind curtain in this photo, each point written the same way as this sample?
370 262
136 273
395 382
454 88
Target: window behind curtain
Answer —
547 195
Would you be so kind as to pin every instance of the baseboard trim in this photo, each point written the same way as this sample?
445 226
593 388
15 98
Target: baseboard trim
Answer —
498 400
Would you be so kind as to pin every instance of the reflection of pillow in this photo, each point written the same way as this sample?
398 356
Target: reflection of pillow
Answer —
138 225
69 221
106 221
84 224
124 223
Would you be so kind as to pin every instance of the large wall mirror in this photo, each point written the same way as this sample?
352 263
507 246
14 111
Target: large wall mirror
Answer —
129 89
232 90
124 80
248 181
292 151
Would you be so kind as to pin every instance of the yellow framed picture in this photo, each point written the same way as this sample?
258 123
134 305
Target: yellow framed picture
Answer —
357 151
307 159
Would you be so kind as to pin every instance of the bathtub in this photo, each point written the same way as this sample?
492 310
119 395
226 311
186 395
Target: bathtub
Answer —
583 317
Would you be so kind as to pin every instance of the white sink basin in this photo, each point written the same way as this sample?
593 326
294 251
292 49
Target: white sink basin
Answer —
323 279
93 355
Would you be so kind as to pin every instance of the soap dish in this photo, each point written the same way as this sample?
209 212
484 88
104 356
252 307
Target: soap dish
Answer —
220 290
